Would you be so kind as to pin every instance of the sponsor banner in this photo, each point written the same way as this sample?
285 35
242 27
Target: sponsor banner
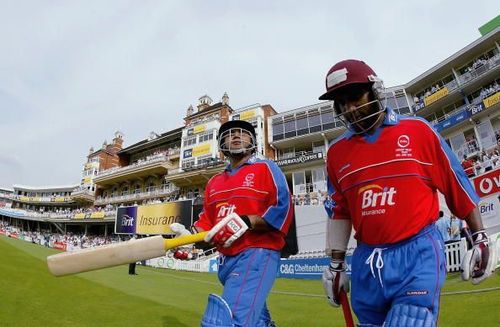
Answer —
246 115
87 180
14 235
60 199
171 263
492 100
488 183
201 150
156 218
199 129
79 216
299 159
213 266
307 268
188 153
99 214
436 96
125 221
24 198
475 109
59 246
489 207
453 120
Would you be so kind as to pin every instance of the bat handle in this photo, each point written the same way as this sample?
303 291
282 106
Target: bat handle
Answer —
346 308
183 240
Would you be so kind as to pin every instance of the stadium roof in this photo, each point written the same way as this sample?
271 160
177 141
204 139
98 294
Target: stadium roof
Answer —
151 143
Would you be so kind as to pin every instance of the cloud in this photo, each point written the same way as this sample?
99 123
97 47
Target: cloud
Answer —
72 73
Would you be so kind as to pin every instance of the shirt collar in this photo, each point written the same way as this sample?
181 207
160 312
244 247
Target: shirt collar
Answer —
249 161
391 118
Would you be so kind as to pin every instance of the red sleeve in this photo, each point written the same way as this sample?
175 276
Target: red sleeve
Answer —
203 219
336 208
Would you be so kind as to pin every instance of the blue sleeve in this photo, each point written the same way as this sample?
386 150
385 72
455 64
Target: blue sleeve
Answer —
329 204
279 203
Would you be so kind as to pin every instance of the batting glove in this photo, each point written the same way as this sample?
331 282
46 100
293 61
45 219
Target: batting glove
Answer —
476 264
181 230
334 280
228 230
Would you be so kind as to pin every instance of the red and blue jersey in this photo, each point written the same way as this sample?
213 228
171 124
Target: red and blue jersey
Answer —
387 183
257 187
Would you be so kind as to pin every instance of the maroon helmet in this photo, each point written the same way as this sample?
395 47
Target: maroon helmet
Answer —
353 72
345 73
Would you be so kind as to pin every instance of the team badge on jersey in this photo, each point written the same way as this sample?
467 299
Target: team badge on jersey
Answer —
248 182
403 149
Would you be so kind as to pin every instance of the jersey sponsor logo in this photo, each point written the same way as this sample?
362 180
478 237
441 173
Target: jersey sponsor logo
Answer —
374 199
224 209
249 182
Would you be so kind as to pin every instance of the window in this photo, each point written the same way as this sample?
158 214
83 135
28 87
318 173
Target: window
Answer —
302 127
327 118
290 129
314 121
190 141
278 129
402 102
187 163
206 136
204 161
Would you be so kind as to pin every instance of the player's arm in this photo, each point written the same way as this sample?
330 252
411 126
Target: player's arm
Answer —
338 232
279 212
461 198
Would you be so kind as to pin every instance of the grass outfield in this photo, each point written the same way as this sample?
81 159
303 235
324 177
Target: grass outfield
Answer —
30 296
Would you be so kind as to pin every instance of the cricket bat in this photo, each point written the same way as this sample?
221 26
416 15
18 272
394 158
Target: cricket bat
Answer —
116 254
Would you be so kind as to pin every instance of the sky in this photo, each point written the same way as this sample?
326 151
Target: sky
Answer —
74 72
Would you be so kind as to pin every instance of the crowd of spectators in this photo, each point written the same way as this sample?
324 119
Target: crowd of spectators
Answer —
484 161
63 213
489 90
312 198
72 241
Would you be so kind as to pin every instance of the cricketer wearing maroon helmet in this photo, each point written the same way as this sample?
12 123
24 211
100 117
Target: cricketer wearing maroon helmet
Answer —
384 174
247 210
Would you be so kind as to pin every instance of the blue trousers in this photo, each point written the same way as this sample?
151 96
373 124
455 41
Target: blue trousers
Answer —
409 272
248 278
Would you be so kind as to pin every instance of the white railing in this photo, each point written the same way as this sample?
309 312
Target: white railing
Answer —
136 196
480 70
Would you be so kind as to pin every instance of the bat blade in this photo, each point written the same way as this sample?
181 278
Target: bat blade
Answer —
68 263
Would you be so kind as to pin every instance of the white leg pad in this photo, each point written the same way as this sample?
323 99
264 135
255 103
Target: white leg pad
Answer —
218 313
406 315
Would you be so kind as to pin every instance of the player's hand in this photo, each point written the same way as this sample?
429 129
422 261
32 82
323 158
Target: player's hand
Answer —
476 264
182 251
179 229
226 231
335 280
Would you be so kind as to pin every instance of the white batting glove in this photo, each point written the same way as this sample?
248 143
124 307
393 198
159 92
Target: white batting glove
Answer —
181 230
476 264
228 230
334 280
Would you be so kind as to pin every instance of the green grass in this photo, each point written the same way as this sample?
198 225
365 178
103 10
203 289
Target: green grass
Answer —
30 296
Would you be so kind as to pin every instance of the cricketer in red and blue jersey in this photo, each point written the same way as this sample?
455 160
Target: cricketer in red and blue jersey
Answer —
384 174
247 210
